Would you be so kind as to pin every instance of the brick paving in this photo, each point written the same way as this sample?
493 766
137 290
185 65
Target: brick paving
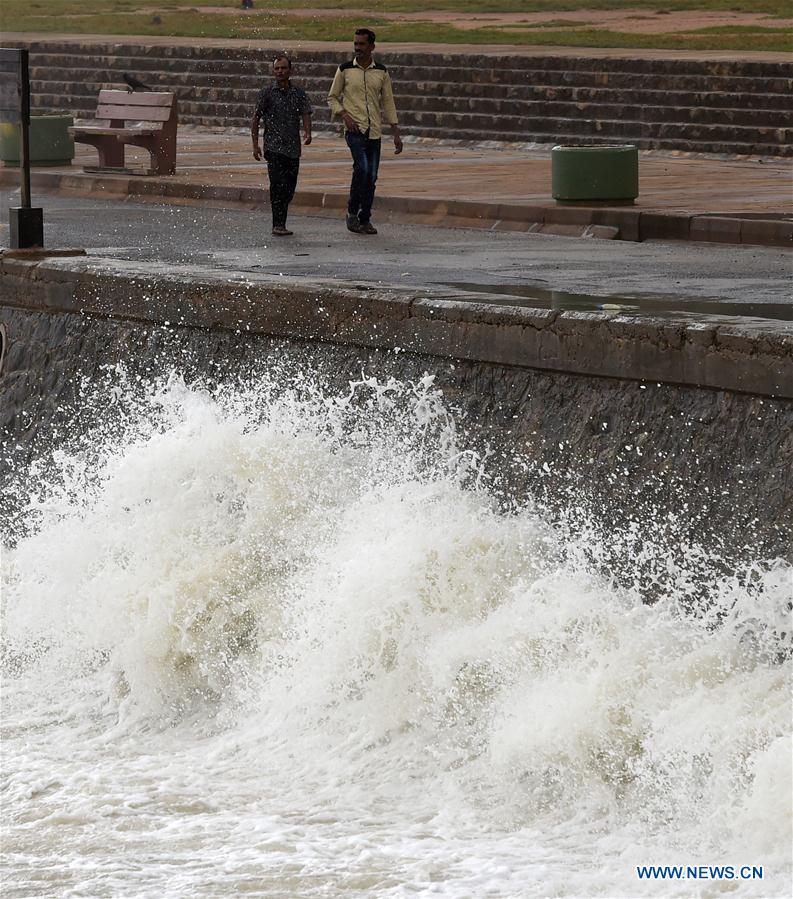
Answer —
668 182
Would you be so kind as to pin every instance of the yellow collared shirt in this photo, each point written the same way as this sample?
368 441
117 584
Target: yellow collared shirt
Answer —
366 94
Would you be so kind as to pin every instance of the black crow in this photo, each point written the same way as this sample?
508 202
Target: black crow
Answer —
134 84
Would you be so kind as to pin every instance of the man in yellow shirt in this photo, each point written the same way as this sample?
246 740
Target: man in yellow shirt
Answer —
362 97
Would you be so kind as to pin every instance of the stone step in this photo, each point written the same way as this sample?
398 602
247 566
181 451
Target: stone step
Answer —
596 110
141 65
484 127
685 104
84 106
187 79
547 139
423 73
233 90
515 107
459 60
541 90
616 129
587 78
517 120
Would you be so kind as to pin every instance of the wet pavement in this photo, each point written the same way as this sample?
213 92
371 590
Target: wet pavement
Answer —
655 305
667 279
517 174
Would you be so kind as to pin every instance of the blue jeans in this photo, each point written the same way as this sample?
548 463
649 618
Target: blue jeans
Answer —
365 163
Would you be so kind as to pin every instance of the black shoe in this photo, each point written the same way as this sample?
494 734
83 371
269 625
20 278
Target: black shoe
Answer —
367 228
353 224
280 231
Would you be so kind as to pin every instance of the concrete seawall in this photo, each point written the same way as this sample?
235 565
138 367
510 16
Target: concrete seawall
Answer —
642 418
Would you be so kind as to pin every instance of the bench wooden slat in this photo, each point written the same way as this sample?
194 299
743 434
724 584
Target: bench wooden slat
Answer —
136 113
135 98
88 129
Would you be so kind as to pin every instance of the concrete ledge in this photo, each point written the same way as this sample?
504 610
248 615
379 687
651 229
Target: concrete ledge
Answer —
770 233
717 230
755 359
575 221
723 229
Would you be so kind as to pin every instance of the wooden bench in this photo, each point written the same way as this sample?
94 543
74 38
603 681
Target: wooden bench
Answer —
159 138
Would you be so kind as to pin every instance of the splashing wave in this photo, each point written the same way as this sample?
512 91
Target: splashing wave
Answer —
299 636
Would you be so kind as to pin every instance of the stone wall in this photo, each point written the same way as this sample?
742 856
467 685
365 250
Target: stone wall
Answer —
708 464
714 106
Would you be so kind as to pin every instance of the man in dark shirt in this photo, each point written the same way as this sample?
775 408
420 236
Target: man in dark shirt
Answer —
280 108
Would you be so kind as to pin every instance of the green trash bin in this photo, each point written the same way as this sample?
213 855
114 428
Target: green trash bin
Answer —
605 174
50 141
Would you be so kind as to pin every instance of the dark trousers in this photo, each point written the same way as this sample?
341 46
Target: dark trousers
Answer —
283 181
365 163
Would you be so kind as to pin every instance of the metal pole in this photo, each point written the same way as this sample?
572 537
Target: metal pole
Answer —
24 129
26 222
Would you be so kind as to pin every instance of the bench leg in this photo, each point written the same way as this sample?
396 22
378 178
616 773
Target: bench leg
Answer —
163 157
163 166
111 154
163 154
111 151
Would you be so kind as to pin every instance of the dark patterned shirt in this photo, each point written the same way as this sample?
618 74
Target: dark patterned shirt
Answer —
280 111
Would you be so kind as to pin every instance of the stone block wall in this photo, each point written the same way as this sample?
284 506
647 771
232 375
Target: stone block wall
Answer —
669 104
673 461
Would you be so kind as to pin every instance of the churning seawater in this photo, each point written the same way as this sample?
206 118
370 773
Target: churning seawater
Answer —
272 641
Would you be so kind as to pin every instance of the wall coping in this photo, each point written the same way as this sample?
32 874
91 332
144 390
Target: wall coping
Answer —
755 357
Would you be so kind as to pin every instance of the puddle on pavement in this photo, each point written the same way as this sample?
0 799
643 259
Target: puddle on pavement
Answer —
543 298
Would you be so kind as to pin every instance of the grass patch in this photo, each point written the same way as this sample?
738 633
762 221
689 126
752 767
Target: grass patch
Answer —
550 23
11 9
779 8
778 40
124 17
200 25
739 29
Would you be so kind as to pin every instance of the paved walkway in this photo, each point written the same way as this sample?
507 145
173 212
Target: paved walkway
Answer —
669 182
732 200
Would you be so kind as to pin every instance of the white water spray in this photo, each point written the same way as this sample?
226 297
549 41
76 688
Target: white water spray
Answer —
283 643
